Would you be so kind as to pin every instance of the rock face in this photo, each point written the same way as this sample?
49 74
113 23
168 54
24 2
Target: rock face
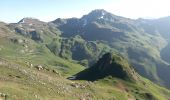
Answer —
109 65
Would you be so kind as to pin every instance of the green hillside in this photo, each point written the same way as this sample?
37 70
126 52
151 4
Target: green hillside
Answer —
137 40
39 59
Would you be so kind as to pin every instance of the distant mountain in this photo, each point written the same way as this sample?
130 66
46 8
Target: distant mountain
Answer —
35 29
98 32
85 40
29 21
162 25
137 40
100 14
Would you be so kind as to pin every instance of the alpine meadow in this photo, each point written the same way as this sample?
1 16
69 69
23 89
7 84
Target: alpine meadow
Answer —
99 56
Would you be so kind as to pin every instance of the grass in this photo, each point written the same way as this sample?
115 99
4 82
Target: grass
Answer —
21 82
47 85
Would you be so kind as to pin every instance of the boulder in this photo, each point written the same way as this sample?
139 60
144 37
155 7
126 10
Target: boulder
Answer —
39 67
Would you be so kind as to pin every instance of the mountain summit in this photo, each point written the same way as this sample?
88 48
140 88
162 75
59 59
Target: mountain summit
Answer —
100 14
29 20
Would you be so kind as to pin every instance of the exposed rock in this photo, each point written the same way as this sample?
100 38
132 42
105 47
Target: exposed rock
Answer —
29 64
3 95
18 41
24 71
82 99
36 96
79 85
56 72
26 46
75 85
86 96
39 67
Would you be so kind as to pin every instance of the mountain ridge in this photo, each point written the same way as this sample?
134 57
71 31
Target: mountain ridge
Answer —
122 34
125 32
60 48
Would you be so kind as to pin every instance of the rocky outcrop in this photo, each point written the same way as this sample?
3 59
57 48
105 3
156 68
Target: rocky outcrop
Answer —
109 65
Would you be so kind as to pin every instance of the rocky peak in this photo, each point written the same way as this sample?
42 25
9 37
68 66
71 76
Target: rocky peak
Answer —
109 65
100 14
29 21
104 61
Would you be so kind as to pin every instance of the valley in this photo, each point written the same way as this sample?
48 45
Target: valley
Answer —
100 56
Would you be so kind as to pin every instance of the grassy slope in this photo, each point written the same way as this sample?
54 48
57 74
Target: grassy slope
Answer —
22 82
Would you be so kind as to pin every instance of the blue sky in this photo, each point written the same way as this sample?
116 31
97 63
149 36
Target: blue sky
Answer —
48 10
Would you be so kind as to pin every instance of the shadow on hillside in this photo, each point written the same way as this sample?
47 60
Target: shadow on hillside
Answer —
106 66
89 74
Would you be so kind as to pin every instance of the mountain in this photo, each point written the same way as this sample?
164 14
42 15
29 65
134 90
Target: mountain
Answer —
98 32
162 26
137 40
37 56
35 29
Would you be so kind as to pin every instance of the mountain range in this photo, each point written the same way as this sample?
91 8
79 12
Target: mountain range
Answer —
39 52
141 41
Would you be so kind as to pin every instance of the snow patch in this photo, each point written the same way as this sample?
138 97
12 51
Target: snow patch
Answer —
103 13
101 17
84 22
